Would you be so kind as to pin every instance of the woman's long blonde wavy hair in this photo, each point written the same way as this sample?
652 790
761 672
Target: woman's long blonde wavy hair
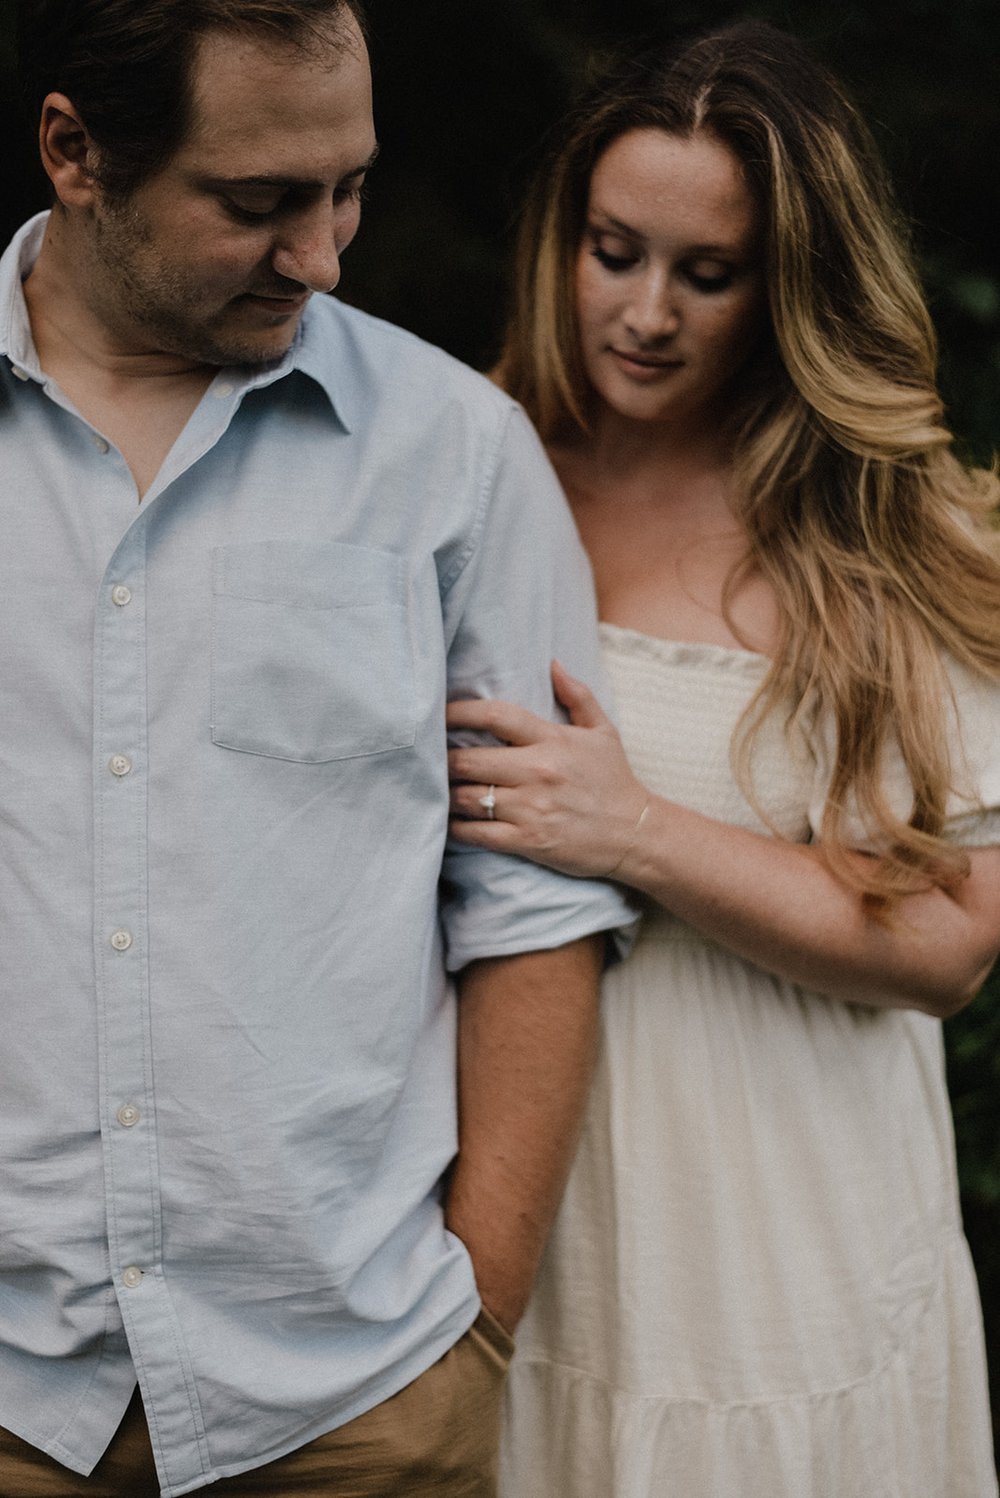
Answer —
876 540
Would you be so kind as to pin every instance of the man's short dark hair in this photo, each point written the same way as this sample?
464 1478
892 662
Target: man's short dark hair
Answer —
127 65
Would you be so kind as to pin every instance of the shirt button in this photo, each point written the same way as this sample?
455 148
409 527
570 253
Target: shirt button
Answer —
132 1277
121 595
222 391
19 373
119 764
128 1115
121 941
99 442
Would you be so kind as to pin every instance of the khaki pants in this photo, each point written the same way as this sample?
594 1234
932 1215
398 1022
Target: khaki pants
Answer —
438 1436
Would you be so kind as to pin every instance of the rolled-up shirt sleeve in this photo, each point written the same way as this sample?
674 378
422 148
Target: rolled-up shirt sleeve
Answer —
521 596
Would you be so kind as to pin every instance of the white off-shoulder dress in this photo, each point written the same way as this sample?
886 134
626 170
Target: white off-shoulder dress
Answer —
758 1285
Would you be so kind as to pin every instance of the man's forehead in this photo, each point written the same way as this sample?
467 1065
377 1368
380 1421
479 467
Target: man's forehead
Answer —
245 88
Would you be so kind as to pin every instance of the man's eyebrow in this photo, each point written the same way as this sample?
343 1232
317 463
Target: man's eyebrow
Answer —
286 182
365 166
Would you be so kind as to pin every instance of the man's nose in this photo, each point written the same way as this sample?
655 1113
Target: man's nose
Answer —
307 251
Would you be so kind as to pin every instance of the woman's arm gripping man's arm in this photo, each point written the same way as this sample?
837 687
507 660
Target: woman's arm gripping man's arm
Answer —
566 797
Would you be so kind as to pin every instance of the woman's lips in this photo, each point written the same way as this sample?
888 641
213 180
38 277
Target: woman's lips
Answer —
643 366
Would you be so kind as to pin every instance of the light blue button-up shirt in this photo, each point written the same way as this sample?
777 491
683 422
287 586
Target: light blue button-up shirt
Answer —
227 1060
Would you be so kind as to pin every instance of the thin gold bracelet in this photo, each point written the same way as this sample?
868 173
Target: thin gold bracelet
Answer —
631 842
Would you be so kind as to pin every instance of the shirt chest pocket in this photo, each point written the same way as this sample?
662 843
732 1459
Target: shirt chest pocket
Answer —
311 655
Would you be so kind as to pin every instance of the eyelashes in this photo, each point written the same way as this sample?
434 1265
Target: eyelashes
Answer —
243 214
614 263
359 193
248 215
710 284
707 285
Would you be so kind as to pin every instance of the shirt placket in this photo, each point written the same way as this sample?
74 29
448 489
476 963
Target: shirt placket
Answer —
121 942
120 935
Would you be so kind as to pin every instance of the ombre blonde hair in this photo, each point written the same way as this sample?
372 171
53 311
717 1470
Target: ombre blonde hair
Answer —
875 539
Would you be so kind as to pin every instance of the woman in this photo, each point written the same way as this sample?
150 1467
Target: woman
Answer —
758 1283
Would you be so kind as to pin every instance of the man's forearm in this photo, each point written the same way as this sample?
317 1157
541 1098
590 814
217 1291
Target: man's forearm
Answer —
527 1040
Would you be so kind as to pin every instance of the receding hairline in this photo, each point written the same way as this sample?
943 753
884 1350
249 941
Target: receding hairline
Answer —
336 31
324 44
322 40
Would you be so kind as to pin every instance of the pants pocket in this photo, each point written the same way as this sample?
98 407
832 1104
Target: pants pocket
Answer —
494 1339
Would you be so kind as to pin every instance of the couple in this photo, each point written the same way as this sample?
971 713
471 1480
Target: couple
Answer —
230 1118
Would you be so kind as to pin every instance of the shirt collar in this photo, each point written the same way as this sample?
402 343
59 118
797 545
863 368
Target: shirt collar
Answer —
16 341
320 350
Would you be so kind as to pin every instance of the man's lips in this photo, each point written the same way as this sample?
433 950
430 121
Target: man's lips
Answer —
292 303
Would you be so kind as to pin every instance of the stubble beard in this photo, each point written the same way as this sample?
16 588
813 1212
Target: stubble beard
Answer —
147 300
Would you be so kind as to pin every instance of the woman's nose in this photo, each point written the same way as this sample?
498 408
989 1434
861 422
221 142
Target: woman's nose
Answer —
651 315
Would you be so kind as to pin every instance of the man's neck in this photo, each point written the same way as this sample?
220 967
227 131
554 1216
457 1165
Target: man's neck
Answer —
70 333
139 398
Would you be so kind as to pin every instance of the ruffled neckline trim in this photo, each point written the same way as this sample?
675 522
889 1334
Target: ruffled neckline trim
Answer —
699 653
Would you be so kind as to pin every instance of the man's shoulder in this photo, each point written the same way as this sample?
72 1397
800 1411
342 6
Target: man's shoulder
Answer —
384 362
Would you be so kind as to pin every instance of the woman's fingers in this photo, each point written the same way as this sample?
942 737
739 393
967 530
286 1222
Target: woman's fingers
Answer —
504 720
498 837
493 764
483 765
482 801
518 726
560 794
576 697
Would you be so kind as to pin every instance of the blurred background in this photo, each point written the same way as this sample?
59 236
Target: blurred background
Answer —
465 91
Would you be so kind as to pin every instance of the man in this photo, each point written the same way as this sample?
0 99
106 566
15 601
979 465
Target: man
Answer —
253 542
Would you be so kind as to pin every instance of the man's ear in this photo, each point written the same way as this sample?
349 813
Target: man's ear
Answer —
68 154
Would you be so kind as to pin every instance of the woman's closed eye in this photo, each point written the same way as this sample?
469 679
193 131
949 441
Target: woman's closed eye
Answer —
615 263
710 278
707 277
612 249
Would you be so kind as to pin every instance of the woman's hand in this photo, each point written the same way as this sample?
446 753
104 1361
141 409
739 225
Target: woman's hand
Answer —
565 797
564 794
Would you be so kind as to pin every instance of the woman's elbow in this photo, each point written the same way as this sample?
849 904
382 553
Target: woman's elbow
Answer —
955 990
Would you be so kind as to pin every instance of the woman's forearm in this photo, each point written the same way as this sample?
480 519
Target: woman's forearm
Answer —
778 905
567 797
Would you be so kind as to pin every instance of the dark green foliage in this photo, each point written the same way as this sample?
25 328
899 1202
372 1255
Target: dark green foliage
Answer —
974 1080
973 1044
466 89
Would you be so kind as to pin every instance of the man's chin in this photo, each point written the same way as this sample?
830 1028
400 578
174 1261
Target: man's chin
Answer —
250 341
250 351
256 354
